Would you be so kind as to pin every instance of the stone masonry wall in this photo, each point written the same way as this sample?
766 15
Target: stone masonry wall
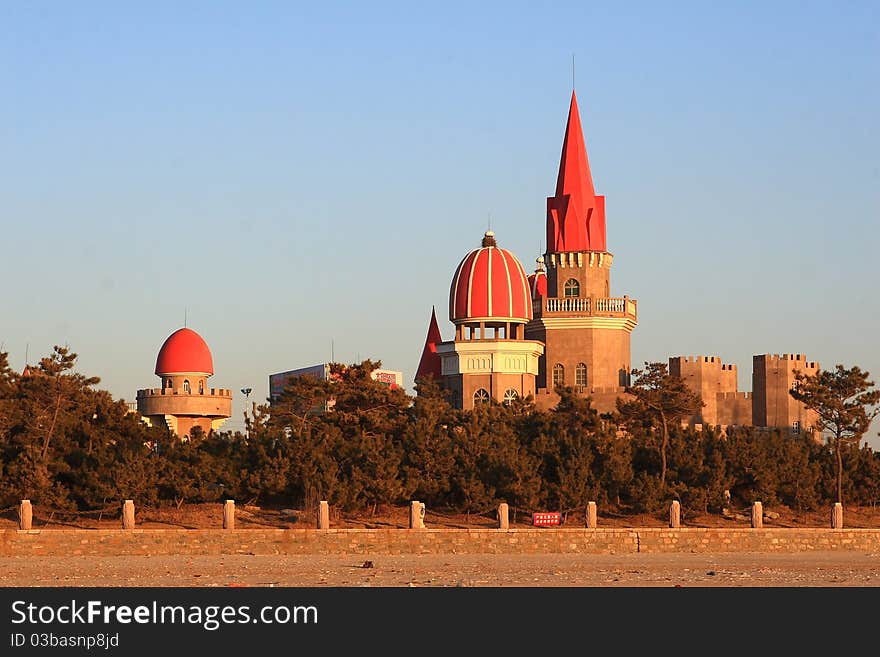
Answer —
119 542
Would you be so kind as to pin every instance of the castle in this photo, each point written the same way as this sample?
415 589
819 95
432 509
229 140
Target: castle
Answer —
518 335
768 405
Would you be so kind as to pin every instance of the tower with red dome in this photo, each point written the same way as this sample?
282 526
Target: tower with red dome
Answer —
585 330
184 400
490 304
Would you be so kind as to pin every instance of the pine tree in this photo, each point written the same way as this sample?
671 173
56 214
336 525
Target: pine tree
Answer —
845 402
657 401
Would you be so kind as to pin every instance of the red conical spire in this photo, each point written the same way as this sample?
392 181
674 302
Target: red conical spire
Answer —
429 365
575 215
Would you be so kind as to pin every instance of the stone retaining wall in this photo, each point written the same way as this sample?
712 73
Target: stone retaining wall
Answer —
119 542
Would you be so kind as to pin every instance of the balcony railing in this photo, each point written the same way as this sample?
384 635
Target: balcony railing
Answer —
611 306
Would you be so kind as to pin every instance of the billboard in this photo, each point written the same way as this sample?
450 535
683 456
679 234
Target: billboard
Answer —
279 380
390 378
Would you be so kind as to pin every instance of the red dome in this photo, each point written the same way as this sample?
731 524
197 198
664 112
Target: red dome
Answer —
538 280
184 351
490 284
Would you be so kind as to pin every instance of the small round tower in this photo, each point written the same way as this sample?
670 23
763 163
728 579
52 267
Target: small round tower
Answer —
490 303
184 400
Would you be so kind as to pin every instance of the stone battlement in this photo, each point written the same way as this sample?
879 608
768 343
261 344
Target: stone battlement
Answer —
811 365
168 392
579 259
715 360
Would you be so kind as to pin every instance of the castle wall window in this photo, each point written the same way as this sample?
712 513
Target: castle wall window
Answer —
201 387
481 396
580 376
558 375
186 388
510 396
572 288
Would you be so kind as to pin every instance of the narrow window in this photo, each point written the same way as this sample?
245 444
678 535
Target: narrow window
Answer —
558 375
186 386
201 387
580 376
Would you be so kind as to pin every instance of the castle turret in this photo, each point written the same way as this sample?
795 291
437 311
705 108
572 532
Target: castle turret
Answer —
586 331
489 303
185 401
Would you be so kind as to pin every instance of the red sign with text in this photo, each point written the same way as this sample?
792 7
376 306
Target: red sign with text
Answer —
546 519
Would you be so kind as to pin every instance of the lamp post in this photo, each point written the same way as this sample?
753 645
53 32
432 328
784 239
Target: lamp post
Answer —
247 393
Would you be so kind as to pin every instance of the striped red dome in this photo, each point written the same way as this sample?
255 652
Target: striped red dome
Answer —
183 352
538 280
490 284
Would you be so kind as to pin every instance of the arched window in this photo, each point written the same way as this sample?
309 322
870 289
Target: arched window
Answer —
558 375
167 383
580 376
510 396
572 288
186 386
201 387
481 396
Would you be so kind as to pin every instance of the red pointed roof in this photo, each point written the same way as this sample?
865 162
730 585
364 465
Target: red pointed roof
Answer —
429 364
184 351
575 215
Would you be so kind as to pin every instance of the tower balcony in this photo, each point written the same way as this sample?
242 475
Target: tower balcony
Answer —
585 307
214 402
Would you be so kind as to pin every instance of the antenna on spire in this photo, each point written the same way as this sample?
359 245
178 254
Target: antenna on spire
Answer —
572 71
332 356
27 346
184 316
488 221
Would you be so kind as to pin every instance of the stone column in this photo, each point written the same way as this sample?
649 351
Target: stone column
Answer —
503 518
675 514
128 515
757 515
229 514
25 515
323 515
591 515
837 516
416 515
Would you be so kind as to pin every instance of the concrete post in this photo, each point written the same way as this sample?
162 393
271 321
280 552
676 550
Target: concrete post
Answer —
837 516
25 515
503 518
229 514
591 515
128 514
416 515
323 515
757 515
675 514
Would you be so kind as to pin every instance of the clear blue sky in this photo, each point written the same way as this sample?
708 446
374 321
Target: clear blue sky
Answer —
293 174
